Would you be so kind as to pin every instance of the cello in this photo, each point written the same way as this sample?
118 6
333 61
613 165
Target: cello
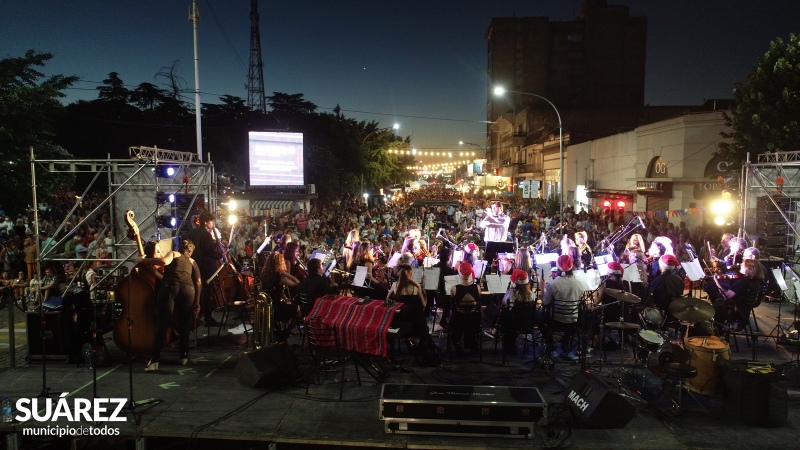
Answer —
136 294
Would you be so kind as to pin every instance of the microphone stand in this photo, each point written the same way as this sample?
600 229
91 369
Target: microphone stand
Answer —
619 234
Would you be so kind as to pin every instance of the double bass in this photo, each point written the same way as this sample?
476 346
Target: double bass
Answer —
136 294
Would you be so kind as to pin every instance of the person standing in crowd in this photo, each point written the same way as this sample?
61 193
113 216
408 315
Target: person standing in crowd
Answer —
179 293
207 253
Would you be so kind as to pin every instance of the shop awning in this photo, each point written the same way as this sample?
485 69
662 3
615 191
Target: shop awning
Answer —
266 207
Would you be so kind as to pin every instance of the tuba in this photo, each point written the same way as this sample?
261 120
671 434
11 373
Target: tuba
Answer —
262 323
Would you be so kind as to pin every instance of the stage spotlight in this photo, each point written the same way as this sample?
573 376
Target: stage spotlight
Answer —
167 222
162 197
164 171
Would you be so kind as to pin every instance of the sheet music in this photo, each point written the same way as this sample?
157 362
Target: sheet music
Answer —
429 262
319 254
545 258
416 274
361 275
449 282
393 260
589 279
779 279
631 274
330 267
479 267
431 278
693 270
603 269
497 284
458 256
603 259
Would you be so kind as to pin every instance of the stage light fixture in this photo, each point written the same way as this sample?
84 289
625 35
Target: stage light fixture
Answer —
165 171
162 197
167 222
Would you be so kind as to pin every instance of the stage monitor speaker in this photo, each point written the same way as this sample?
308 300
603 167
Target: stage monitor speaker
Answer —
268 367
593 404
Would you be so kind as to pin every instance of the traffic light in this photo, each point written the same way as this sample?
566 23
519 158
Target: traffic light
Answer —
607 206
621 208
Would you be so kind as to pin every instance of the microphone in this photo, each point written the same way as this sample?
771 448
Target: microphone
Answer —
641 224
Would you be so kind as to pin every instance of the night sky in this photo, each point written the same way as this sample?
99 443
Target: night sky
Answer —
421 64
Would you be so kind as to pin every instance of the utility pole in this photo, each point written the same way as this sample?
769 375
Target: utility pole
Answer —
194 17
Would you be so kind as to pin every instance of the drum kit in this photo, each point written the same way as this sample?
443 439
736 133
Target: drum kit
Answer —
707 354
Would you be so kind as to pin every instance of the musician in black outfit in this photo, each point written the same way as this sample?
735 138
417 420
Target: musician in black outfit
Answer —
740 297
207 253
314 286
442 298
668 286
180 292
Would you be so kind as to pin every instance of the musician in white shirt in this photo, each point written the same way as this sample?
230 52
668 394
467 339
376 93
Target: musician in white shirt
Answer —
495 224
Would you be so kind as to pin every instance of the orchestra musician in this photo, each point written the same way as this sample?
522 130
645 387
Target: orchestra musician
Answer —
442 298
410 293
366 258
179 291
495 224
637 262
727 268
349 249
464 321
661 246
561 301
315 285
414 244
291 254
719 254
668 286
518 310
274 277
584 250
740 296
207 254
523 262
569 248
635 242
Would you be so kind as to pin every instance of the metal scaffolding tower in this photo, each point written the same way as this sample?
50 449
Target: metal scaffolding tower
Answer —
255 76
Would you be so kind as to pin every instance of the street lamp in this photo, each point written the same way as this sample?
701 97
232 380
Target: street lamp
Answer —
500 91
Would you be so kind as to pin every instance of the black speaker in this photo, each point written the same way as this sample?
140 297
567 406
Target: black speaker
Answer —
268 367
54 339
593 404
754 394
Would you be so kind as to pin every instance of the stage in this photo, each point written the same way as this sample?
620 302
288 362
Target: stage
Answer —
203 403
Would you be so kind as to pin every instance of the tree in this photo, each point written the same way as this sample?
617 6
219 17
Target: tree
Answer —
29 102
765 117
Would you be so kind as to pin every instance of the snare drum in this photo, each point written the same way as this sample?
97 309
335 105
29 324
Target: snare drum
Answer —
650 340
707 355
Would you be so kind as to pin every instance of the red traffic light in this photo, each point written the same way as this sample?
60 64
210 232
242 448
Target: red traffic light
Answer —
607 204
621 204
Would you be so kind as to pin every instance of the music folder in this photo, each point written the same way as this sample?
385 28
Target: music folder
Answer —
497 284
431 278
693 270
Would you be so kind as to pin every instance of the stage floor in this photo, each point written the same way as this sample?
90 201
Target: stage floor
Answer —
204 401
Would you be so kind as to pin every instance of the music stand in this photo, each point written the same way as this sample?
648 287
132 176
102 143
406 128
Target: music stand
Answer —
493 248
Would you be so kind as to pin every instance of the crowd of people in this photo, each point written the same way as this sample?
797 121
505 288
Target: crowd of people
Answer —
436 225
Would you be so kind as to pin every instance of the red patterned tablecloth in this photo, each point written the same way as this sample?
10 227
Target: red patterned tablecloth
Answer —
361 327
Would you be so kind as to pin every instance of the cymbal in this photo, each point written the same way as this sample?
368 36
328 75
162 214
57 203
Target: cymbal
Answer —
691 309
623 325
623 296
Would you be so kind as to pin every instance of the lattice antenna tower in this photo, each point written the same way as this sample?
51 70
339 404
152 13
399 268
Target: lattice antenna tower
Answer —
255 76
